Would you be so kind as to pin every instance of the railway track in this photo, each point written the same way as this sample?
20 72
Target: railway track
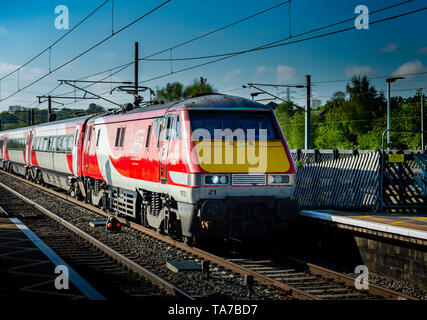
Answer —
293 278
111 272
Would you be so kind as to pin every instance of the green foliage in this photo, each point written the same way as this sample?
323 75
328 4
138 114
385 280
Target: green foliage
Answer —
355 119
172 92
17 116
176 91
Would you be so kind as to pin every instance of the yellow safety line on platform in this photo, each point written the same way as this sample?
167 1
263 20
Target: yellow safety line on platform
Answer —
403 221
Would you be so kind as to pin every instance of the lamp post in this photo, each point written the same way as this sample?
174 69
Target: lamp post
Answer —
389 80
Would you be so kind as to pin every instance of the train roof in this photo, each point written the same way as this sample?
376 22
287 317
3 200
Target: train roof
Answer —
206 101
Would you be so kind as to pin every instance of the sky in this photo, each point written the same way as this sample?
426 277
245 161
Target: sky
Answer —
392 47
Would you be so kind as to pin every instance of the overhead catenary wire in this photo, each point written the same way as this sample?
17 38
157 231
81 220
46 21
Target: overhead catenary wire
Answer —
87 50
264 47
55 42
126 65
267 46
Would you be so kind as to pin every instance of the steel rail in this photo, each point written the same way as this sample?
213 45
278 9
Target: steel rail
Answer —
348 280
234 267
155 279
293 292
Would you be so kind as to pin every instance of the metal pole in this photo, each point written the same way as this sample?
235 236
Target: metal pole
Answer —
32 116
388 115
422 121
307 113
136 102
29 117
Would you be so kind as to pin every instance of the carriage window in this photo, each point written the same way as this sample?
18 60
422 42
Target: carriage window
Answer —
70 144
64 144
97 138
147 142
122 137
52 140
117 137
59 144
43 146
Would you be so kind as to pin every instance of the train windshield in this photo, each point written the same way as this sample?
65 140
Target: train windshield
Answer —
243 124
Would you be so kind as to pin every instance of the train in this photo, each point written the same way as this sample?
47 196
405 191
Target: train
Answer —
210 166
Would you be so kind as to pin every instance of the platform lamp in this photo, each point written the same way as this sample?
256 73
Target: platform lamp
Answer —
389 80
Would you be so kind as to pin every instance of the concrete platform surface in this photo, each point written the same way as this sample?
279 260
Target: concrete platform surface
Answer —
408 225
27 268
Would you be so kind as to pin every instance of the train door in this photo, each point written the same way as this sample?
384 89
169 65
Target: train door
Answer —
76 152
28 148
164 139
87 146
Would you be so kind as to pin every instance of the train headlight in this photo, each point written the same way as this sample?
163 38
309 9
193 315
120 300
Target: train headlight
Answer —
216 179
278 179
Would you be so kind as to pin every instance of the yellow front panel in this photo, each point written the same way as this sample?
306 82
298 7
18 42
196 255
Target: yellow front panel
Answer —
218 156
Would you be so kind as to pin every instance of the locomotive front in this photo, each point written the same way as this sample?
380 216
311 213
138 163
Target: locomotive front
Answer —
243 176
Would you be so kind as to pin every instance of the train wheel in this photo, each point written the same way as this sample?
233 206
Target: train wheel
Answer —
73 190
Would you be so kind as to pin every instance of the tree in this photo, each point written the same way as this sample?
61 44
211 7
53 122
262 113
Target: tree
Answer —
196 88
94 108
172 92
176 91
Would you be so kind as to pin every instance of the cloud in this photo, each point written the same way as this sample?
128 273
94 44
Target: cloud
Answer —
391 47
359 70
422 50
285 73
3 31
6 68
261 70
409 67
232 75
110 54
25 73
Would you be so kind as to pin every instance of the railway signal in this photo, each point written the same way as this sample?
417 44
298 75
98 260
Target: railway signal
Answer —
113 225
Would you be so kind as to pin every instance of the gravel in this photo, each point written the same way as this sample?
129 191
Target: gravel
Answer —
150 253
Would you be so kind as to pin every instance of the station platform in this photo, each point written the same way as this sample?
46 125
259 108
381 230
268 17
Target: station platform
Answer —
27 268
404 227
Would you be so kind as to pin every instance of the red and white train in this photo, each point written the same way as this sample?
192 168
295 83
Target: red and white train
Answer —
211 165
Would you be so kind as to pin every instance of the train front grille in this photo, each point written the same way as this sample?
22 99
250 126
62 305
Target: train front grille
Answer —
248 179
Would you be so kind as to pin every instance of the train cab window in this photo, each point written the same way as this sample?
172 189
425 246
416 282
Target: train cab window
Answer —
176 131
147 141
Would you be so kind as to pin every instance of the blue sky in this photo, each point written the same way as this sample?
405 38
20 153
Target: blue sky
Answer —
397 46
